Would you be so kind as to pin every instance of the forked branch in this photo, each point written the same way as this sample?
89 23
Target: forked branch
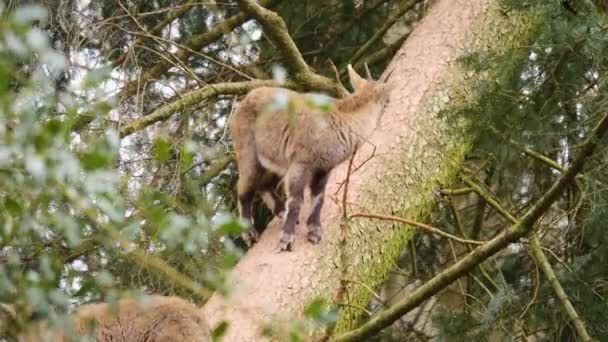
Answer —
276 29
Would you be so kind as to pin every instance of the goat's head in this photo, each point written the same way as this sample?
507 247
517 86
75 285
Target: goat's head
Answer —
379 90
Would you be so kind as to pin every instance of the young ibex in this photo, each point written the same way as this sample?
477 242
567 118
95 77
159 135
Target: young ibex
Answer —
302 144
158 319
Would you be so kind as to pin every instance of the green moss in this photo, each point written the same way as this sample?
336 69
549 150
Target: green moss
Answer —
364 263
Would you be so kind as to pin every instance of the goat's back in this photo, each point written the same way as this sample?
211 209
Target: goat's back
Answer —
158 319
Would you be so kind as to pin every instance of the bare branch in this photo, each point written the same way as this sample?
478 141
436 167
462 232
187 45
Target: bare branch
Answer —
195 97
419 225
276 29
157 29
195 43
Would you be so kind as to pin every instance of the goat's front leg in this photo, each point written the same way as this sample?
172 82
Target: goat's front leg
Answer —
296 179
317 193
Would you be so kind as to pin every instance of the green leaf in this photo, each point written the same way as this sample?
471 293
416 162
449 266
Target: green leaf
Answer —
161 150
13 206
315 308
95 160
319 312
232 227
219 330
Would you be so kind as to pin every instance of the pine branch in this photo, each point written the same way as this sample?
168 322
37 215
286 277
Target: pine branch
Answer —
489 199
276 29
485 251
540 258
194 97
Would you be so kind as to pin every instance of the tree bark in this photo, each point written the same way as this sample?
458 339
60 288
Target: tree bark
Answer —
414 151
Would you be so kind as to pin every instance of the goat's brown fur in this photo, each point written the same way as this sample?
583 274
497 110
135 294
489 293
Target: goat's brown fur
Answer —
302 144
157 319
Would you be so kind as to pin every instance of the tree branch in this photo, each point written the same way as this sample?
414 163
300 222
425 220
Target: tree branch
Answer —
419 225
276 29
566 305
214 169
195 43
485 251
194 97
540 258
157 29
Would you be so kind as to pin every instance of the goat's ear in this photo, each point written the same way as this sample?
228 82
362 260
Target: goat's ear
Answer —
355 80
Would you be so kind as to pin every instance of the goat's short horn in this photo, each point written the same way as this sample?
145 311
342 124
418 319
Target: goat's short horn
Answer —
387 76
367 72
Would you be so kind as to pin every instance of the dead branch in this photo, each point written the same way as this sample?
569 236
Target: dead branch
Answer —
157 29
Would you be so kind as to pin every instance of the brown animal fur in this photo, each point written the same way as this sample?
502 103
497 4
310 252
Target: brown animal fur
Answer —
300 143
156 320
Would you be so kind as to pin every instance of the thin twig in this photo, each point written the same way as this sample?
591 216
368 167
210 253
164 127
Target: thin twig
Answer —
422 226
345 193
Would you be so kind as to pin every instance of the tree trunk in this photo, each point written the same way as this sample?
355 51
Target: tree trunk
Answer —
414 153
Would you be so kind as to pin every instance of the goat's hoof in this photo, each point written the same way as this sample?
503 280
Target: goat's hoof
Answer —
286 241
250 237
314 237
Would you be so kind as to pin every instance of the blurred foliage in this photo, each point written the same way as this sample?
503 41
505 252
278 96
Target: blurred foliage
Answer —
70 220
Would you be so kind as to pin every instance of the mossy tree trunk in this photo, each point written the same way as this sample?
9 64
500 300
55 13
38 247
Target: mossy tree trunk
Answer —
413 153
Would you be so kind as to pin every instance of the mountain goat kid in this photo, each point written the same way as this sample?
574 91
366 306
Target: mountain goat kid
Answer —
300 143
158 319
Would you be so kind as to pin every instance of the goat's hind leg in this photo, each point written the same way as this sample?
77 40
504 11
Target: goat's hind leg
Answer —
296 179
317 192
249 171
